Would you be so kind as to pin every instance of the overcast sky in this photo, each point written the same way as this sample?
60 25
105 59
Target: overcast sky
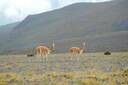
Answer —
16 10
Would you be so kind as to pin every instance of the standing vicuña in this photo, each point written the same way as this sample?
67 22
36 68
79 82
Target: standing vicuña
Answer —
42 50
77 50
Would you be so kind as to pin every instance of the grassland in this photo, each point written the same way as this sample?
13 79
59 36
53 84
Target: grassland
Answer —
65 69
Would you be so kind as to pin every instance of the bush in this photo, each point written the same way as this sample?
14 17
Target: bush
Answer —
30 55
91 82
107 53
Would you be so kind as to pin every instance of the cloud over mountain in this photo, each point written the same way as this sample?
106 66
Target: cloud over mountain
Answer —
16 10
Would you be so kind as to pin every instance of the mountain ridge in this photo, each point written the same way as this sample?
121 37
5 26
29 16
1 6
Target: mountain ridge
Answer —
74 21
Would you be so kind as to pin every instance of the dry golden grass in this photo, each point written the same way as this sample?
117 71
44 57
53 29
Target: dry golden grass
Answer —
68 78
87 71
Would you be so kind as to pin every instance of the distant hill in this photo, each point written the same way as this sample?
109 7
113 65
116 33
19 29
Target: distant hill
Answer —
7 28
104 26
5 31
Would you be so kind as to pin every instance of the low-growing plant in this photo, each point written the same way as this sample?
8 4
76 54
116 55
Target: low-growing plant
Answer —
107 53
12 78
90 82
112 82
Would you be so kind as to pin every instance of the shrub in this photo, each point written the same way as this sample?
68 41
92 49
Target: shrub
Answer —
30 55
91 82
107 53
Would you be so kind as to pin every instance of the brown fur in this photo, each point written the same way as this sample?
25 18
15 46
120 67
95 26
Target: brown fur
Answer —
75 50
42 50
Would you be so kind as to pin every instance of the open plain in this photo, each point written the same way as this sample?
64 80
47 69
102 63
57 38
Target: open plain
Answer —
65 69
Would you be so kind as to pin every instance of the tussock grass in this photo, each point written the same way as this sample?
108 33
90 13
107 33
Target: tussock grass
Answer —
69 78
60 70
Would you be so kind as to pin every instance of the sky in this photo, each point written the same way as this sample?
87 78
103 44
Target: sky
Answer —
16 10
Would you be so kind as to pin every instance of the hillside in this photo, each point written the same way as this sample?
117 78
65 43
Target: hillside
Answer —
103 25
5 33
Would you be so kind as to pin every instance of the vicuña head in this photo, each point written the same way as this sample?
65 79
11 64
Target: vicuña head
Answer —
77 50
42 50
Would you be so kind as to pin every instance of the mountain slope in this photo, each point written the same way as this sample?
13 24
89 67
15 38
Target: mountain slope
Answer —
77 22
8 28
5 33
